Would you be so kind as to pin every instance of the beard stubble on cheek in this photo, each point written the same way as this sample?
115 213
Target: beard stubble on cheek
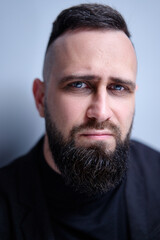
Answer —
92 169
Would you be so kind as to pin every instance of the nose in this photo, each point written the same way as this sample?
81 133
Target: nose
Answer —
100 108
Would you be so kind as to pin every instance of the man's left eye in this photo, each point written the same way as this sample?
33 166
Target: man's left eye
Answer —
117 87
118 90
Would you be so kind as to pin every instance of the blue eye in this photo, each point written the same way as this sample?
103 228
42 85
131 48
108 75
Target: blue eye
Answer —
119 90
78 85
118 87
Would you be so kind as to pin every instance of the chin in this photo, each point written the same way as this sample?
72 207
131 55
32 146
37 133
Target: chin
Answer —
105 146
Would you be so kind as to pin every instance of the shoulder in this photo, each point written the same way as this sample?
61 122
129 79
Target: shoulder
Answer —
144 162
143 184
9 175
22 168
142 189
19 192
140 149
144 156
144 167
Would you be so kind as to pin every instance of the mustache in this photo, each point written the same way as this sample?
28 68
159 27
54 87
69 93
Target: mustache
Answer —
93 124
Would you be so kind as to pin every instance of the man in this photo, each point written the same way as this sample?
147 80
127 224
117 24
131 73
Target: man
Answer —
85 179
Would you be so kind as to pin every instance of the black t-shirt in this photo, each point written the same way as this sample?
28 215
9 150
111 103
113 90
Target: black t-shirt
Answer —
76 216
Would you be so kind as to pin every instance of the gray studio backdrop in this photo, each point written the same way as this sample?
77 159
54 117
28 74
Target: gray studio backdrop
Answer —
24 32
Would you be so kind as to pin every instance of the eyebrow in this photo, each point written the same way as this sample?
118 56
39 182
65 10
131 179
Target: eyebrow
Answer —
129 83
79 77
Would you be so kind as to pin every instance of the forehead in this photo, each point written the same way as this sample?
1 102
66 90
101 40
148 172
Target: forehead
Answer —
90 49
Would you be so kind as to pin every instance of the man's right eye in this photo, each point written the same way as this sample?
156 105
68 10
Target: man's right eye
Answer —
78 84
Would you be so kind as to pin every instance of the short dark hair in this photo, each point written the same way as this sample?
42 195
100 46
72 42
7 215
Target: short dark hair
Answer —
87 16
84 16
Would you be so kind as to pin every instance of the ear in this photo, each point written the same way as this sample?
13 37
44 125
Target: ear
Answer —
38 92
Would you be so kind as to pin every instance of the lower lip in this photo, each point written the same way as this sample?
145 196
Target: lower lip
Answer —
97 137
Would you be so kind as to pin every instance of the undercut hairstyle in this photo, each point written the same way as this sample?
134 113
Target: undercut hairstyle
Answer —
83 16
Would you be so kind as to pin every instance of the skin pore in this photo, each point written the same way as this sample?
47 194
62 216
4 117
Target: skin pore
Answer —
92 78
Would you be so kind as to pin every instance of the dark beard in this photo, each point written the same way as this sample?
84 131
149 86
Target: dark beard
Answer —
92 169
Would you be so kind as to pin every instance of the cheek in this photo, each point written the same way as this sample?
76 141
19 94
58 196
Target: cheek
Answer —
124 114
67 112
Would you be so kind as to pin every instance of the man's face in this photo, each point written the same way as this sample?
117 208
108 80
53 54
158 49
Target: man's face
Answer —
89 107
92 87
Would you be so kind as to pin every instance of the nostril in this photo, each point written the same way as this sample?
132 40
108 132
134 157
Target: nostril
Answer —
99 113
